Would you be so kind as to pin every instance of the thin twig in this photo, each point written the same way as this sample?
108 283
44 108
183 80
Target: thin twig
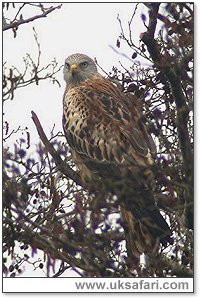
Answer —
16 24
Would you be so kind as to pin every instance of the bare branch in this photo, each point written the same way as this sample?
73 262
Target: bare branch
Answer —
153 18
62 166
16 24
170 72
33 72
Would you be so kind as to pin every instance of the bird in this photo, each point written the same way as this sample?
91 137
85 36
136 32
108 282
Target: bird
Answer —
113 151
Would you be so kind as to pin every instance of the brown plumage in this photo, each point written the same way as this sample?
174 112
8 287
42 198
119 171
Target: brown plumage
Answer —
112 149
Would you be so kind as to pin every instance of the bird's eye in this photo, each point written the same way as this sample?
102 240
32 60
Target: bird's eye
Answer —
84 64
67 65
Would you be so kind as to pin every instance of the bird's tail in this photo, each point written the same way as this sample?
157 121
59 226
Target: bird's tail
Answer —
145 231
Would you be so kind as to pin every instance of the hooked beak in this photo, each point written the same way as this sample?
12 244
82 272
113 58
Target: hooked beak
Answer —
74 68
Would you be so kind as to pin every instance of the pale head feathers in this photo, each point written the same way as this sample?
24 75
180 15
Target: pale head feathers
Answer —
78 68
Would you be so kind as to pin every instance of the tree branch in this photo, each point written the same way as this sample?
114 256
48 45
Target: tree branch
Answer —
16 24
171 73
62 166
154 7
176 269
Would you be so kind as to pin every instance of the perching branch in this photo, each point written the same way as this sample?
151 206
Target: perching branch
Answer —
62 166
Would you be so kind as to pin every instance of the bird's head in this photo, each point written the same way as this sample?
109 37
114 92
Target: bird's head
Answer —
78 68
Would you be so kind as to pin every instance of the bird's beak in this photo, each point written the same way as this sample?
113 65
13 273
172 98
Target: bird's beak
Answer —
74 68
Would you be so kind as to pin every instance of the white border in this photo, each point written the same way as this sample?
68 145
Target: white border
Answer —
98 285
